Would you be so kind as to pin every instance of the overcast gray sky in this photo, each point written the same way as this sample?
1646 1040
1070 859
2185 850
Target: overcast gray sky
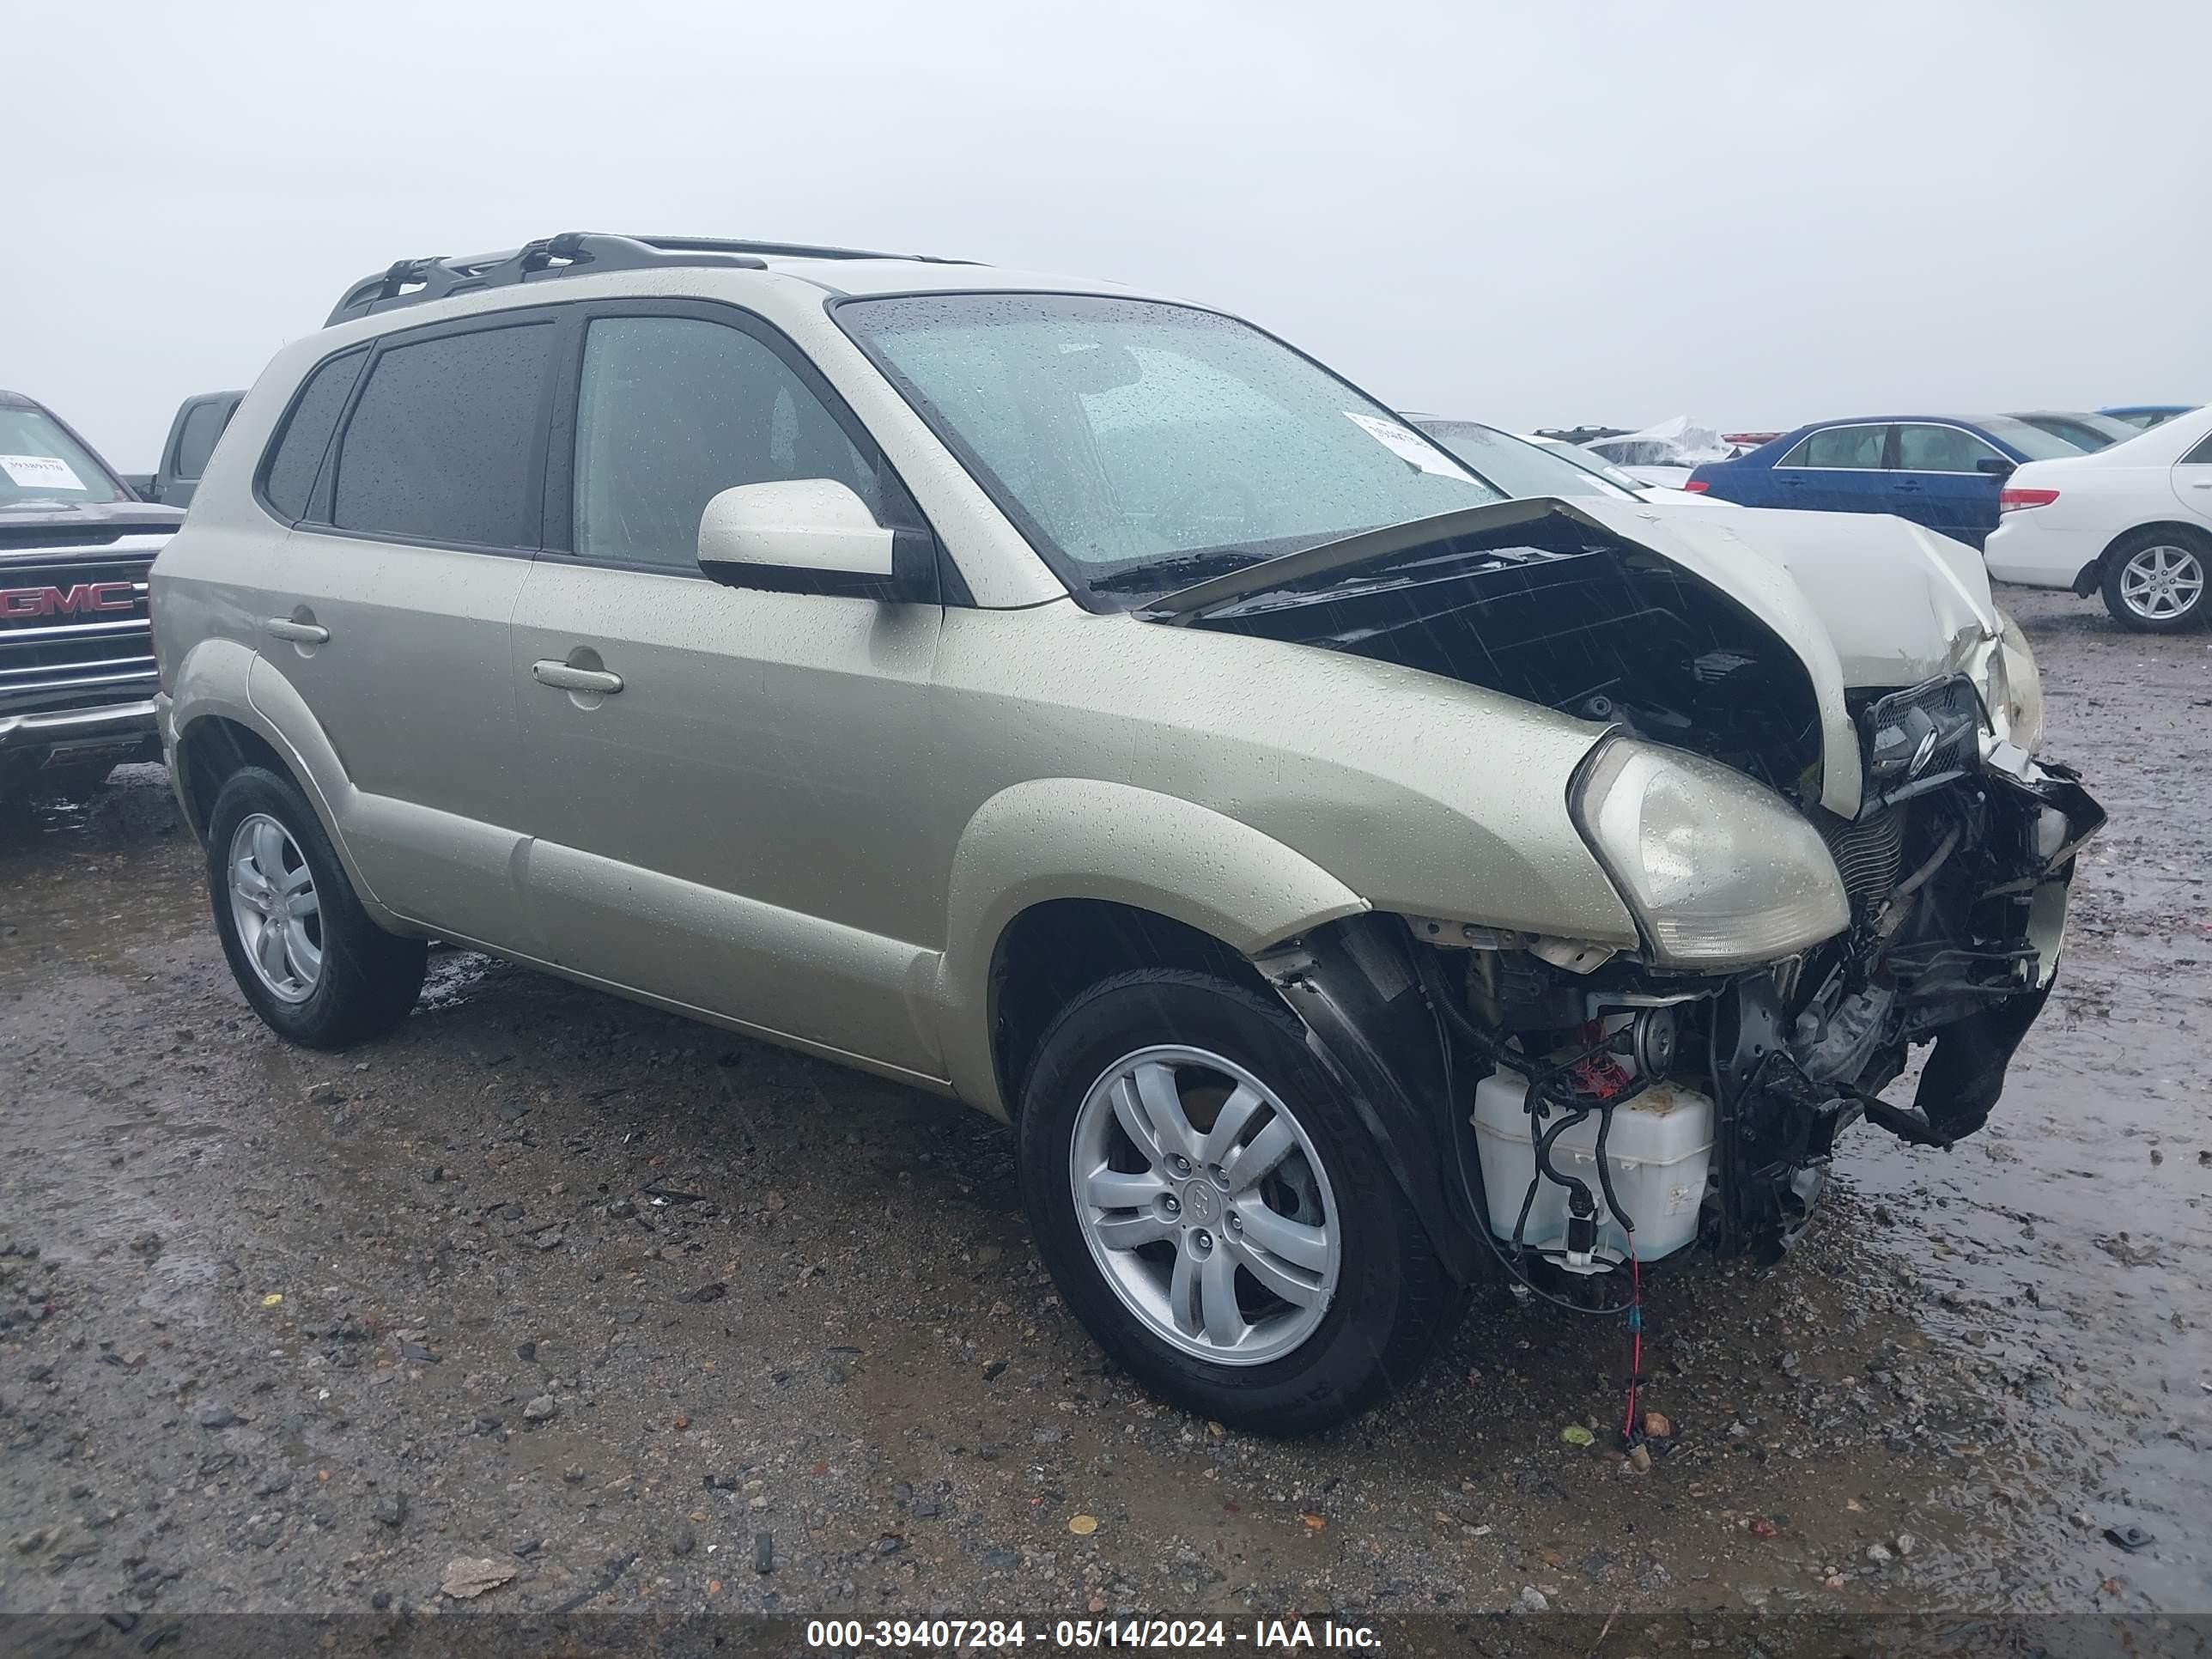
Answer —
1533 214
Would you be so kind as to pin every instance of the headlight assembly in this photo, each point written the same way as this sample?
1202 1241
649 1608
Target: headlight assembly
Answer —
1718 870
2021 687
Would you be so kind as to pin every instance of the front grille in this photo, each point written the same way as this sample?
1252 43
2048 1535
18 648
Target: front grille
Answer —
1868 853
75 632
1919 738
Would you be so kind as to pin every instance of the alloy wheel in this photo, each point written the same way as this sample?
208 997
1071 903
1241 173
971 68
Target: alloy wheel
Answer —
1204 1205
273 902
2162 582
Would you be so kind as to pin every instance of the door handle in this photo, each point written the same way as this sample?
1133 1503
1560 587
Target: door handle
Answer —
2200 484
300 633
561 678
1906 486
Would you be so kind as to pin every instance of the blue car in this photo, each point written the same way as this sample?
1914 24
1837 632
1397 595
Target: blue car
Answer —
2148 414
1942 470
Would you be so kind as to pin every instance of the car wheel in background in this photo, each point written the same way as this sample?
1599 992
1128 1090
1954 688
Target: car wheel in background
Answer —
2154 579
315 968
1213 1211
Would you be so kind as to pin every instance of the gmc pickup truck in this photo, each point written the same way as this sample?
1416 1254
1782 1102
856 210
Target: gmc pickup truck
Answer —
77 652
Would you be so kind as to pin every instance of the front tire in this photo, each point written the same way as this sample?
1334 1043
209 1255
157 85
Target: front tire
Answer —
317 971
1214 1212
2155 580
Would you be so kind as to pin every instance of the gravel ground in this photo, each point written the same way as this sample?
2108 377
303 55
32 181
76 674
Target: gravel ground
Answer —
629 1313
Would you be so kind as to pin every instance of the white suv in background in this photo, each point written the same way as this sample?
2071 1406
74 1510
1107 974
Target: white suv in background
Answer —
2133 521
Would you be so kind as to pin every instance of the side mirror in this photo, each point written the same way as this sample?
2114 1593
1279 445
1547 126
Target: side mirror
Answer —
1996 466
141 485
812 535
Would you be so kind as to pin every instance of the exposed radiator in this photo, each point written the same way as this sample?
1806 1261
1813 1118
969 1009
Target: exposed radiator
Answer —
1868 853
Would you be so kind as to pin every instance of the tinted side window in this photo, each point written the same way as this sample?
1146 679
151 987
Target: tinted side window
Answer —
441 443
671 411
290 481
1839 447
202 426
2200 456
1940 449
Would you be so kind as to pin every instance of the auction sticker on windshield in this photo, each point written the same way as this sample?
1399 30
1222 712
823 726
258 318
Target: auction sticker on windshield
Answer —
1408 445
39 472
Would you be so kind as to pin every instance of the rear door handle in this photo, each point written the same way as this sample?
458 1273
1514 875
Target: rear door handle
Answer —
300 633
1908 485
561 678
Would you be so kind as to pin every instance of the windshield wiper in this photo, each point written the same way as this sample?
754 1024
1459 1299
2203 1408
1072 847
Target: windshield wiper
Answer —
1165 575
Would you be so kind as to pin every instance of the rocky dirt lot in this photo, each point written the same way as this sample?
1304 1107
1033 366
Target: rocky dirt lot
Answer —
629 1313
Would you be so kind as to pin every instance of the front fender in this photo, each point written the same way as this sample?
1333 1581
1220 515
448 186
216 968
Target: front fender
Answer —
1082 838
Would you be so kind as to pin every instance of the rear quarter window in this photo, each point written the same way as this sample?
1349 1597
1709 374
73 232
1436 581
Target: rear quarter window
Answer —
441 443
288 475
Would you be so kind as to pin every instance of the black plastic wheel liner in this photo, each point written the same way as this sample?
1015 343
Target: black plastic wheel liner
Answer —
1353 985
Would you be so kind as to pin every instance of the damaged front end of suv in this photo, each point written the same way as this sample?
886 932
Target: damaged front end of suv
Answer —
1814 789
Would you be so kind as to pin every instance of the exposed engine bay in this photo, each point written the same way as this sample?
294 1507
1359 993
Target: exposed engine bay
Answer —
1621 1112
1563 613
1956 902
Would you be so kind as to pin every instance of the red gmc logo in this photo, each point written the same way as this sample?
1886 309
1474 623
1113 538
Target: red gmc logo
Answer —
17 604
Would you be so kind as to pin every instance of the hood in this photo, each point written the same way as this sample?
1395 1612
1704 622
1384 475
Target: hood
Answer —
1898 603
1862 602
84 521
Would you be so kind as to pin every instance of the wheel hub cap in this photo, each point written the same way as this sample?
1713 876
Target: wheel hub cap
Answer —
274 902
1205 1205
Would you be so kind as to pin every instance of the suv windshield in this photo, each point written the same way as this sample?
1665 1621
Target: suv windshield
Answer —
41 464
1140 446
1518 467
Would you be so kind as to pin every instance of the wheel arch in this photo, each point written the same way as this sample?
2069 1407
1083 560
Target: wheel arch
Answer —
1105 869
2200 534
208 751
220 724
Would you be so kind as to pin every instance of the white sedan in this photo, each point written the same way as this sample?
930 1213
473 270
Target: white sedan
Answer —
2134 521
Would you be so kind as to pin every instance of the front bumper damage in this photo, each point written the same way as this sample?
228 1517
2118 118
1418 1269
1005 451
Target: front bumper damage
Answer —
1965 957
1955 941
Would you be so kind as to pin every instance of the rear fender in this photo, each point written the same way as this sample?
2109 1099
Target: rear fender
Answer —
223 679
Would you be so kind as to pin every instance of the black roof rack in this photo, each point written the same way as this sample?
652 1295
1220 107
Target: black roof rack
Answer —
417 281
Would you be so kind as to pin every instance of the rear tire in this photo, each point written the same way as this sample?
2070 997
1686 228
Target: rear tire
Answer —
2155 580
1283 1302
316 969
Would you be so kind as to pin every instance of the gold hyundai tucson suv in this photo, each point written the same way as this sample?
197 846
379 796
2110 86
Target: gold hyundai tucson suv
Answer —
1352 882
